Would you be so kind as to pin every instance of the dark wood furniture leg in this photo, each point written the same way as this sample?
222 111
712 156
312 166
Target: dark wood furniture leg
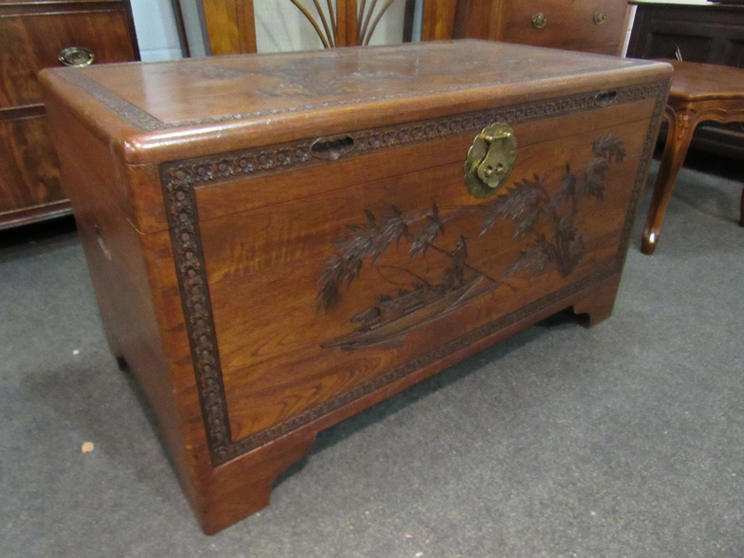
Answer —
683 117
682 123
698 93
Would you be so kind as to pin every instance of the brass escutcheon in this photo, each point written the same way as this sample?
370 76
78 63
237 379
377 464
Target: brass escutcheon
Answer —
600 18
539 20
76 56
490 160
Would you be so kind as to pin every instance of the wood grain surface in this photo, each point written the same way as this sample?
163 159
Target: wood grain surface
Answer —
30 174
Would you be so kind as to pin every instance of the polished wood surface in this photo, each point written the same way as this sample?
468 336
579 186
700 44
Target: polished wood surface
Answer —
231 26
585 25
699 93
438 20
245 248
33 34
30 177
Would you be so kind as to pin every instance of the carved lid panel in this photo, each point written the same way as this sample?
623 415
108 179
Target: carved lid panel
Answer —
230 101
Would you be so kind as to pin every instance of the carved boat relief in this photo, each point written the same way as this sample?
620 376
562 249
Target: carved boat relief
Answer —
548 219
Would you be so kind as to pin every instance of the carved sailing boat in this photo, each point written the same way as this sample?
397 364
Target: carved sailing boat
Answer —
393 317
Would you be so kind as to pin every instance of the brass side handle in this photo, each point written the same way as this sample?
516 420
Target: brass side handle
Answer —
77 57
490 160
605 98
333 147
600 18
539 20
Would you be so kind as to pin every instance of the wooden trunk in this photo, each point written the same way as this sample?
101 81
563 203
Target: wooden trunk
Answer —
280 241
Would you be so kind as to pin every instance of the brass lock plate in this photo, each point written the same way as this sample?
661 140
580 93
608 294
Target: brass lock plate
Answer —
490 160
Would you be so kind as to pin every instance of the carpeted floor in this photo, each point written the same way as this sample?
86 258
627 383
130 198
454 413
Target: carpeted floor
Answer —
625 440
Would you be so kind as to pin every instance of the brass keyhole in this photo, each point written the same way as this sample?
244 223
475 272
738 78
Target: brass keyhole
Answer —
600 18
490 171
539 20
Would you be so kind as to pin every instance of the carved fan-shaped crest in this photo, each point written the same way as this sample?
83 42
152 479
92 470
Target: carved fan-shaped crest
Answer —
344 22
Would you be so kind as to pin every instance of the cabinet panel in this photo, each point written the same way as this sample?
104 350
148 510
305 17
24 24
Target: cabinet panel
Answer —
734 53
676 45
30 177
31 42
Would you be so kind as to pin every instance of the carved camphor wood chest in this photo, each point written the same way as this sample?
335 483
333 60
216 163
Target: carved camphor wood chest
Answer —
277 242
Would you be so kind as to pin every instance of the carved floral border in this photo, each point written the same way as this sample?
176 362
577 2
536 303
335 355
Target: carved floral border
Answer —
180 179
261 161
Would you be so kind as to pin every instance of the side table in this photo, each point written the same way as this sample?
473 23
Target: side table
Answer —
699 93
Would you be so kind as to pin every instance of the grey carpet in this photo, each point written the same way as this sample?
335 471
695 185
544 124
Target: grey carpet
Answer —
625 440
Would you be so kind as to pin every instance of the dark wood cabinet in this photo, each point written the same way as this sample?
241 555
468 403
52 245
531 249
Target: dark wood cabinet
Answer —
34 35
705 32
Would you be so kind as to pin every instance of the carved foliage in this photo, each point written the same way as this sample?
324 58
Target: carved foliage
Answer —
526 203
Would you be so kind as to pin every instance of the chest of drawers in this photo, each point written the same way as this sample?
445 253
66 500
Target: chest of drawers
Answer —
585 25
36 35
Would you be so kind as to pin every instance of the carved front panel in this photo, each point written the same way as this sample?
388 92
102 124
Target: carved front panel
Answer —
309 283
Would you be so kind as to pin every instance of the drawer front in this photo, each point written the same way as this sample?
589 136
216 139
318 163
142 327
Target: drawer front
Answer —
33 41
30 177
592 25
308 284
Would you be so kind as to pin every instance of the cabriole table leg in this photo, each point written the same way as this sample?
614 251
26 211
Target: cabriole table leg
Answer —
682 124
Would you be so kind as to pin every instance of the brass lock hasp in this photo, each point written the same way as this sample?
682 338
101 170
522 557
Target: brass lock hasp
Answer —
490 160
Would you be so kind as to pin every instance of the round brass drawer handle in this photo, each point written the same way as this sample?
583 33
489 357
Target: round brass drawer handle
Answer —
76 56
600 18
539 21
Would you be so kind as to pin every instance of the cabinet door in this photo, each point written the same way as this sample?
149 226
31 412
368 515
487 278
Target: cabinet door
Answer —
693 33
29 183
32 41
